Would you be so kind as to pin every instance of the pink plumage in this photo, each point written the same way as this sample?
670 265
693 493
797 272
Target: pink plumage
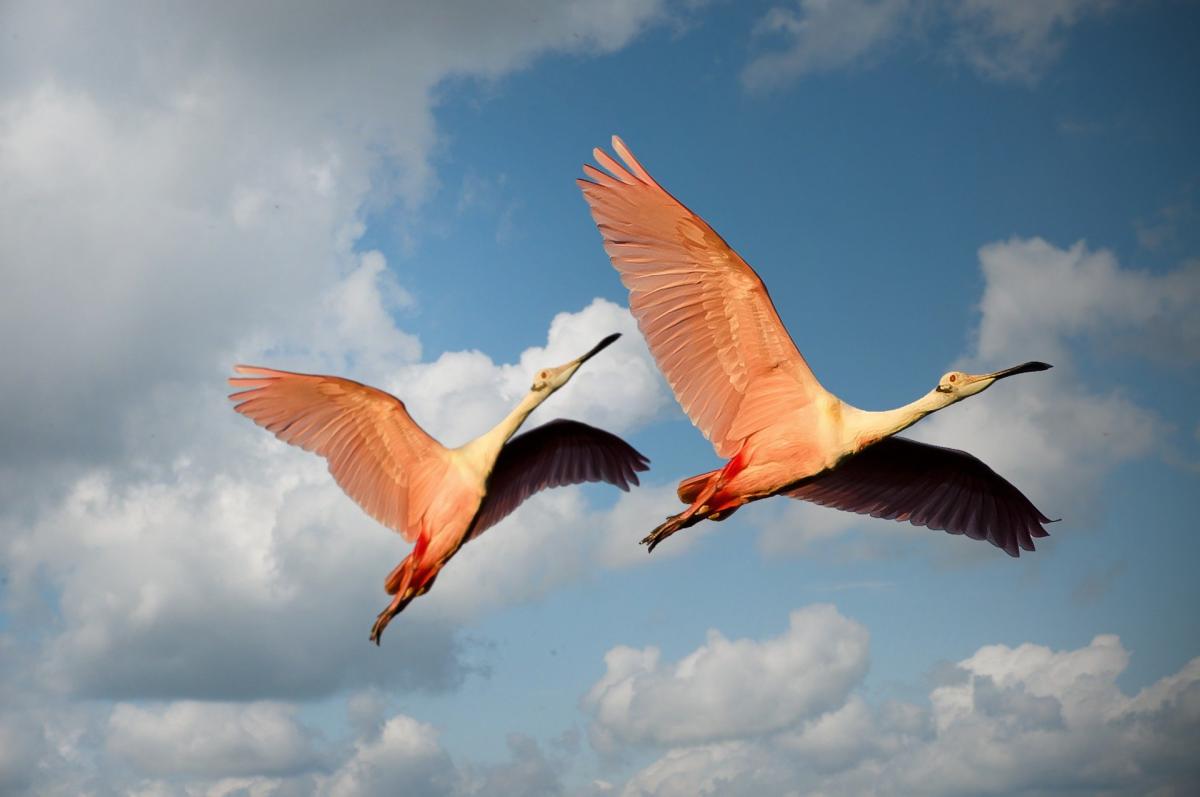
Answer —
737 374
436 497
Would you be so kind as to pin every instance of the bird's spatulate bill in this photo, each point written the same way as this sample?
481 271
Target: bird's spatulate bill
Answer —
599 347
1023 368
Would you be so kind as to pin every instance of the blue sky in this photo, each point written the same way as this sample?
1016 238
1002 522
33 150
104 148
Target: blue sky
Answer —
389 195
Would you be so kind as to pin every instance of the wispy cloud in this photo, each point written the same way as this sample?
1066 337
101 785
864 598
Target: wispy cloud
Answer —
1000 40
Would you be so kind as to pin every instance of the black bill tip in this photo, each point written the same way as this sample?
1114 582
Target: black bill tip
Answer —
1024 368
600 346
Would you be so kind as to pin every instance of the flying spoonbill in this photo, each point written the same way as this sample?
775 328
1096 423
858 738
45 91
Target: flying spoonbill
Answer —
438 497
741 380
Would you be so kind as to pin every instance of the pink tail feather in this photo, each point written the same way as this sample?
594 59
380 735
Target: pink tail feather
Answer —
691 487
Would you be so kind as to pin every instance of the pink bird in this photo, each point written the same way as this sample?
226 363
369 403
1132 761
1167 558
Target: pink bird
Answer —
438 497
737 374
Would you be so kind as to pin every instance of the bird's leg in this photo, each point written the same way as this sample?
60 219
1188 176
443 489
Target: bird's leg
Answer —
673 524
707 502
411 578
684 519
402 599
394 608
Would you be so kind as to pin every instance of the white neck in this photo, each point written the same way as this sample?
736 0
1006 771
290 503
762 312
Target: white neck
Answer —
864 427
483 450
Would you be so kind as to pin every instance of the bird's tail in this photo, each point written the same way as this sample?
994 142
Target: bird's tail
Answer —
691 487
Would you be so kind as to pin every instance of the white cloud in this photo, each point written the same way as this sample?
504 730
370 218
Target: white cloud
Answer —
737 769
800 527
529 772
253 750
405 758
179 181
554 539
22 746
633 517
216 587
1002 40
729 688
822 36
463 394
239 570
184 189
1017 39
1024 719
1015 720
1053 434
1039 296
212 739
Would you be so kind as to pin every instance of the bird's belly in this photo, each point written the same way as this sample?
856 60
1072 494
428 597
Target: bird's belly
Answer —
449 516
775 464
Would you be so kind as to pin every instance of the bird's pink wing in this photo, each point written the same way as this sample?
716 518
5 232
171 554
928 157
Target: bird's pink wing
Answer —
941 488
376 452
704 312
552 455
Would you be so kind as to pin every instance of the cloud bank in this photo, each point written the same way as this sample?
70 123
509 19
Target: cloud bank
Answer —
1006 720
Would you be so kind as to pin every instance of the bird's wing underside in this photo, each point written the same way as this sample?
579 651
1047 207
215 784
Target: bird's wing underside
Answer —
552 455
942 488
376 452
704 312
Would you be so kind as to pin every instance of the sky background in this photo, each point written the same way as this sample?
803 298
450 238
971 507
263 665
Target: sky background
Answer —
386 192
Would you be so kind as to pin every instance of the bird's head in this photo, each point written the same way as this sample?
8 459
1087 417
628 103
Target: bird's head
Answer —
956 386
549 380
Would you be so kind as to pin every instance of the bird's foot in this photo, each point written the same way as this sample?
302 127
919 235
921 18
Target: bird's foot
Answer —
672 525
394 608
381 623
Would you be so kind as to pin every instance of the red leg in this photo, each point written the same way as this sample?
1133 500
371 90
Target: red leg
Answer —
394 608
707 502
410 578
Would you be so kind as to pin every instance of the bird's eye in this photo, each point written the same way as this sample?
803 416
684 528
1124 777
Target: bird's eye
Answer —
544 375
953 377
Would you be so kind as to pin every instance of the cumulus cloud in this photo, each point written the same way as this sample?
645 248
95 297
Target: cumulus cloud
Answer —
258 749
463 394
801 527
1005 720
1013 720
1054 435
405 758
1002 40
1040 297
22 747
729 688
187 189
213 739
555 539
214 587
1057 436
166 202
240 570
